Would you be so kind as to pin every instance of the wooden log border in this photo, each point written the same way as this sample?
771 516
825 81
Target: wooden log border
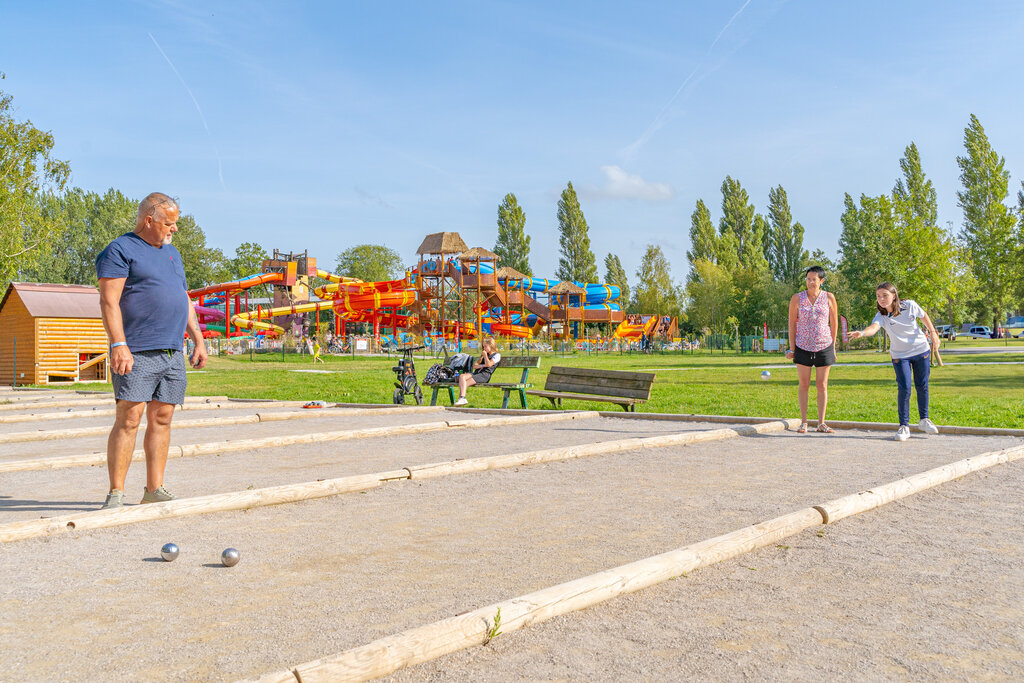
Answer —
840 508
425 643
838 424
55 434
217 447
84 412
290 493
78 401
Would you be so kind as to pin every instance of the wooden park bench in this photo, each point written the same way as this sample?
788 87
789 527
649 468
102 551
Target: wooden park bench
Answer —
525 363
607 386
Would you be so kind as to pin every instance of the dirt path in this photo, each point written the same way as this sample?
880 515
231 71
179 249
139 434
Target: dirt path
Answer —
321 576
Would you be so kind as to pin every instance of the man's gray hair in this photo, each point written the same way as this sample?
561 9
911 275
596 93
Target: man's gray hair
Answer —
153 201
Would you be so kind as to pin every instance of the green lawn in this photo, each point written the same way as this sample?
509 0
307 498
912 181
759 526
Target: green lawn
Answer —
990 394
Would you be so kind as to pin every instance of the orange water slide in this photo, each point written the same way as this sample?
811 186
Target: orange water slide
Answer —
237 285
355 300
625 330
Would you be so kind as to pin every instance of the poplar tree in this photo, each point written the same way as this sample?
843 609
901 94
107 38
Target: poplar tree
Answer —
703 238
615 274
784 246
577 262
915 188
736 225
654 292
513 245
990 230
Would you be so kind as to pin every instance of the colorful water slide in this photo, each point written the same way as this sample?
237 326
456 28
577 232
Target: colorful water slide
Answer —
598 297
236 286
354 300
633 331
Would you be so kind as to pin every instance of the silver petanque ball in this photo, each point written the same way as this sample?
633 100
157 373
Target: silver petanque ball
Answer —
230 557
766 375
169 552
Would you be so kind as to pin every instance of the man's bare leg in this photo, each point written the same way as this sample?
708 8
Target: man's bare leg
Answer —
121 442
156 441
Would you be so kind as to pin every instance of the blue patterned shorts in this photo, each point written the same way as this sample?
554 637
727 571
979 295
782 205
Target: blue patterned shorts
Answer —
157 375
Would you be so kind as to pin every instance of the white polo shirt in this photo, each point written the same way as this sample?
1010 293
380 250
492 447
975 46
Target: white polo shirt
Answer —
906 338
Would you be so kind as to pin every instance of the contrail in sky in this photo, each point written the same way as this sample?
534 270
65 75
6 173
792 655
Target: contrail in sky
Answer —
220 168
659 120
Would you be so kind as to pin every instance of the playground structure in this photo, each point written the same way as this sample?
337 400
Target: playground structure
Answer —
453 293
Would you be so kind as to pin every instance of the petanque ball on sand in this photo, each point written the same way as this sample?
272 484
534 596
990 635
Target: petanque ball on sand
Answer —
766 375
230 557
169 552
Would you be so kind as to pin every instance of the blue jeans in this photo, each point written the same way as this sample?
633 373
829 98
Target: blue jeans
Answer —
920 367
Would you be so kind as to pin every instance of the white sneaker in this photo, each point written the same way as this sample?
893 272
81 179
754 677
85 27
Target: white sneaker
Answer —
460 402
903 433
927 426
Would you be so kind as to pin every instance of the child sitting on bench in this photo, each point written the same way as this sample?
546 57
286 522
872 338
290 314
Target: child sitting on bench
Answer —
482 369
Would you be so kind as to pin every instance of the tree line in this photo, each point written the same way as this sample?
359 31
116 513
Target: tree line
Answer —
741 272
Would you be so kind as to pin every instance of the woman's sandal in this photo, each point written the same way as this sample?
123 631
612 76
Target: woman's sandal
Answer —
825 429
802 429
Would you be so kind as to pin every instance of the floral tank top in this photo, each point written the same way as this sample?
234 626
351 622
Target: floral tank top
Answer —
812 330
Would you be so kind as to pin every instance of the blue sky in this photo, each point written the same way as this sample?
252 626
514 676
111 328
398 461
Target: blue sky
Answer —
323 125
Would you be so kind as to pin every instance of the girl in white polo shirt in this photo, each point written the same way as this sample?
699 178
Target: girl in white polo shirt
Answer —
910 350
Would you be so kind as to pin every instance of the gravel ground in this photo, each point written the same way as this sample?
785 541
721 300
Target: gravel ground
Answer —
928 588
46 493
320 576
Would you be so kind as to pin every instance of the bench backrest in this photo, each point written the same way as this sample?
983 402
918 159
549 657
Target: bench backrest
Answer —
519 362
600 382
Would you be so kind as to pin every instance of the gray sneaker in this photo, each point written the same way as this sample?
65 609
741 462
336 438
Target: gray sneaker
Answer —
927 426
115 499
159 496
903 433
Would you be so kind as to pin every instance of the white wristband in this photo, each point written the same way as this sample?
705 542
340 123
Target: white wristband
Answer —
116 344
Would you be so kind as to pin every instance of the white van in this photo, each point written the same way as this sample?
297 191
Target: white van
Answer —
978 331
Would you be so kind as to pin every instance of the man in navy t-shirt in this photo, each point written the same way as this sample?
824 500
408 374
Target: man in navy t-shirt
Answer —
146 312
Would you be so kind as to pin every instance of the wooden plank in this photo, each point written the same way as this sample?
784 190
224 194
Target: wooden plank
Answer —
592 372
585 397
597 390
616 380
519 362
609 382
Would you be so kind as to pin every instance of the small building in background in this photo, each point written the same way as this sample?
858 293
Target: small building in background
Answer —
52 333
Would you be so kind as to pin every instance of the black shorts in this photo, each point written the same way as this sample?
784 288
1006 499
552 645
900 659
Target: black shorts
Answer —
815 359
482 377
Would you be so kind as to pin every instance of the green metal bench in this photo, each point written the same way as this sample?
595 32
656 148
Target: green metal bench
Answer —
525 363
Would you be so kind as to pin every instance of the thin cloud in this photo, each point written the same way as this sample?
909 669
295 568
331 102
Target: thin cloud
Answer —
662 116
622 185
220 166
369 199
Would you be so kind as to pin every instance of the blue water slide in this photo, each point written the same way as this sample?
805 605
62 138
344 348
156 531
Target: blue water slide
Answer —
596 293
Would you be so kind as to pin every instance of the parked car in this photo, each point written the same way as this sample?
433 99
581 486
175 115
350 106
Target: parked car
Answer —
977 331
947 331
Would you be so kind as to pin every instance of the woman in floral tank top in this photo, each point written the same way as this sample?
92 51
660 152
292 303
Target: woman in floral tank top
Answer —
813 325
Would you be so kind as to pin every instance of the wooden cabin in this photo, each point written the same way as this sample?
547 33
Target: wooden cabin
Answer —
52 333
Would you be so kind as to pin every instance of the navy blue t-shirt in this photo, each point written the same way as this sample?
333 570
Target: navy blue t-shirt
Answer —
154 303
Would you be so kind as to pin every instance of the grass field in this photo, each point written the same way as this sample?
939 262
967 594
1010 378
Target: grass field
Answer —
987 392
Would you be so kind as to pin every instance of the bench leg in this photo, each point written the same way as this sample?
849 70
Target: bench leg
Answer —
552 399
522 398
451 395
433 396
504 399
